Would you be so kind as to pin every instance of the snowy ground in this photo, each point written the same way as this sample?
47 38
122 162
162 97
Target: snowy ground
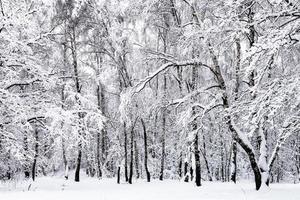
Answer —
107 189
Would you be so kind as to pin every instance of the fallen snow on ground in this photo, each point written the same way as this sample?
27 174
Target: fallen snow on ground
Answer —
106 189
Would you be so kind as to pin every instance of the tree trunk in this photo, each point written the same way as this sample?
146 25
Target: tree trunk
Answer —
125 151
223 157
246 148
262 162
146 151
36 151
185 171
131 156
136 156
78 90
192 173
118 174
26 165
251 156
78 164
194 129
98 156
236 91
163 143
197 161
180 166
66 167
100 135
205 160
233 161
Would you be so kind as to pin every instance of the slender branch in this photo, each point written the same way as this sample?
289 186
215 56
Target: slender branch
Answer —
142 84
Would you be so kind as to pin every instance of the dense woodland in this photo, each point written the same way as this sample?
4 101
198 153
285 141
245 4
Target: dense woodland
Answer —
194 90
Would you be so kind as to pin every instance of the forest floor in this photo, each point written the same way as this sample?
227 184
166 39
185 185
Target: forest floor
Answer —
54 188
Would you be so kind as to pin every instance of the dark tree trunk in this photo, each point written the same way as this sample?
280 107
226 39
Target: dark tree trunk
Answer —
222 161
78 164
118 174
205 160
180 166
246 148
98 156
197 161
191 173
194 128
163 147
125 151
66 167
131 156
26 165
233 161
36 151
251 156
146 151
185 172
164 112
236 91
78 90
136 156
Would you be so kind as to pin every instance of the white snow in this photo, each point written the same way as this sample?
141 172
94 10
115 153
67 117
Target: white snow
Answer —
107 189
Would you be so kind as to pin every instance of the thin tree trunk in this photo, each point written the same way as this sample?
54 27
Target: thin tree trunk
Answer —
136 156
78 90
205 160
78 163
263 163
118 174
36 151
100 136
194 128
180 166
66 167
163 143
146 151
236 91
64 44
26 165
98 156
233 161
125 151
131 153
185 171
197 161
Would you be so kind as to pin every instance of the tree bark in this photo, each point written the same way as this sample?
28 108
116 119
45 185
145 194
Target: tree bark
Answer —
26 165
205 160
131 156
66 166
180 166
136 156
78 90
197 161
78 163
185 171
118 174
233 161
98 156
146 151
163 143
246 148
236 91
36 152
125 151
